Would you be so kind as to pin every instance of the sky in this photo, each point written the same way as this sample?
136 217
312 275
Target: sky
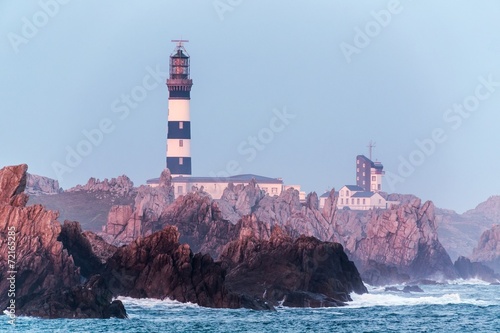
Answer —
289 89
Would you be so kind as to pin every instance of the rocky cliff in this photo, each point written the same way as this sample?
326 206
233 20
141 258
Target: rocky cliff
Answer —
396 245
34 264
37 185
487 251
126 223
460 233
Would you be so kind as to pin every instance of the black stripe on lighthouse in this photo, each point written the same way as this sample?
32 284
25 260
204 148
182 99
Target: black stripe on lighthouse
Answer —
179 130
179 165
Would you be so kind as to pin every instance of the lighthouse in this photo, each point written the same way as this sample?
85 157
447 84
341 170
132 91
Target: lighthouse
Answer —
179 86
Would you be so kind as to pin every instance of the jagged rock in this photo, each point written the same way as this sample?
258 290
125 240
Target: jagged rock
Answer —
304 272
100 248
79 247
401 243
487 251
120 186
126 222
460 233
37 185
12 185
475 270
158 266
46 276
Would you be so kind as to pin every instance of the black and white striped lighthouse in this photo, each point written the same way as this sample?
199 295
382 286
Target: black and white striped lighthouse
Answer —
179 122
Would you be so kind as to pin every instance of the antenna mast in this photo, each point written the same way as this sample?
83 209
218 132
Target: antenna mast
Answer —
370 146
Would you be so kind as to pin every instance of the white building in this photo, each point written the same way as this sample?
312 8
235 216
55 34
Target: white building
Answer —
215 186
356 198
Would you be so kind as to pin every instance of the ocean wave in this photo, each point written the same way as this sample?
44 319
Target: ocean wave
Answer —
469 282
376 299
154 302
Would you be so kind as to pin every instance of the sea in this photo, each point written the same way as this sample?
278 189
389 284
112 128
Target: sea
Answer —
459 306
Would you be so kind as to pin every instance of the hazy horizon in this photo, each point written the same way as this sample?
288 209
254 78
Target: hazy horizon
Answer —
421 79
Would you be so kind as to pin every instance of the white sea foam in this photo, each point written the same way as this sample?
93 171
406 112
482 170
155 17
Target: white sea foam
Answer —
153 302
469 282
387 299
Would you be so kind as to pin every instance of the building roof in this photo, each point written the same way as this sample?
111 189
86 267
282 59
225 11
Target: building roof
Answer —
245 178
325 195
354 188
363 195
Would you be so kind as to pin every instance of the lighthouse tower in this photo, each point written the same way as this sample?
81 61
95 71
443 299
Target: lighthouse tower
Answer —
179 122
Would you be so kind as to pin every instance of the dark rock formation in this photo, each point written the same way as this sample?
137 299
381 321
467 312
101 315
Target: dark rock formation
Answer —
158 266
487 251
299 273
45 273
82 251
406 289
37 185
90 300
475 270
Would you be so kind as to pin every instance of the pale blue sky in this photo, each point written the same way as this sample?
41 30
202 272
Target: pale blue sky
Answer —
262 56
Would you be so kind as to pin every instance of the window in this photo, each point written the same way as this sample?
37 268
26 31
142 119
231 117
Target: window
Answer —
357 161
181 143
379 187
357 201
364 174
346 193
357 178
379 201
181 124
341 201
364 165
352 201
181 160
374 178
274 190
364 201
179 189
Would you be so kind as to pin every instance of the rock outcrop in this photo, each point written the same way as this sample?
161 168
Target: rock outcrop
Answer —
487 251
120 186
304 272
475 270
45 274
460 233
402 239
158 266
126 223
37 185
